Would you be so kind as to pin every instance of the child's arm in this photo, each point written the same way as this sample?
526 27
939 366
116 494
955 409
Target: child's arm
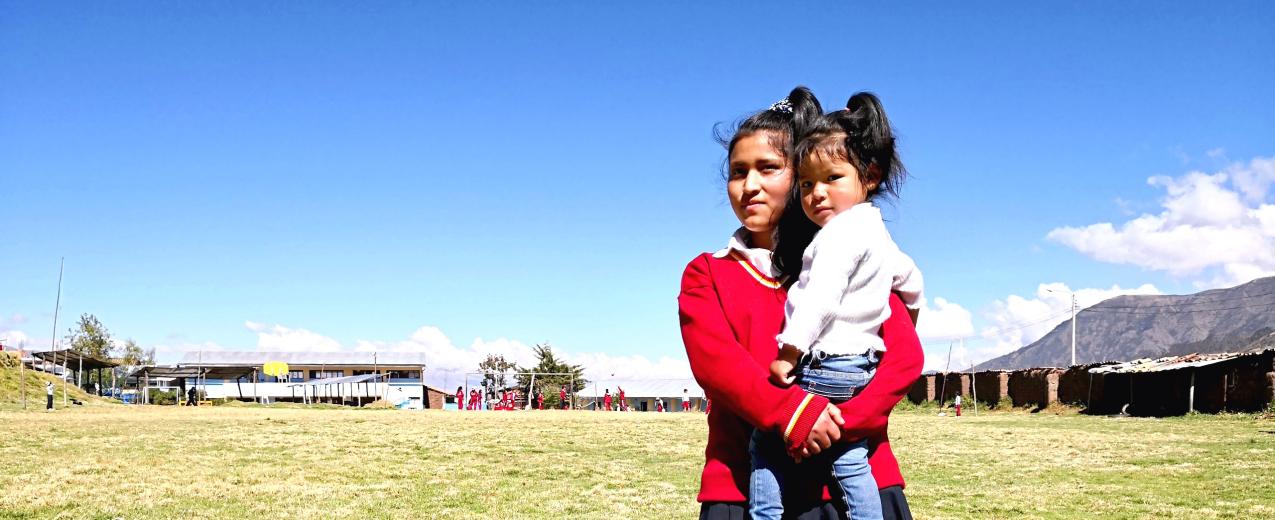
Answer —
838 255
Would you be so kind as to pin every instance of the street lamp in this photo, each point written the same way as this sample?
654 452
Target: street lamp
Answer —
1073 324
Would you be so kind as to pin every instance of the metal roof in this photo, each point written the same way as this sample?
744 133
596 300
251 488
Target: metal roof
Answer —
257 358
1165 364
192 372
73 358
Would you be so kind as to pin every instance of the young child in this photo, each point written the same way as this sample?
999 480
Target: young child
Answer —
830 344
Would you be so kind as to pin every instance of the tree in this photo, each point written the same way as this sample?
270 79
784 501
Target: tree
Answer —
548 363
495 371
90 337
134 355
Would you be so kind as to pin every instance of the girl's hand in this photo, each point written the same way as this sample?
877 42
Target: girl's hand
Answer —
826 431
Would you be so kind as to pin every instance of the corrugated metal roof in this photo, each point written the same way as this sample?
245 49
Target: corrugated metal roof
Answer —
1167 363
255 358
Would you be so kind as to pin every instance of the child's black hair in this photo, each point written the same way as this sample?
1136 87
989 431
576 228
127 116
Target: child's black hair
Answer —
861 135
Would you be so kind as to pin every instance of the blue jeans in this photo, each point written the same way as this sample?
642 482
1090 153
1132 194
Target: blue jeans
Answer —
846 463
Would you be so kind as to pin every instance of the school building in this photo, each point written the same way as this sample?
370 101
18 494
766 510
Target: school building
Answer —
349 378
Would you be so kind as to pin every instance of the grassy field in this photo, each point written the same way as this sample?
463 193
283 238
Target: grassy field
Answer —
217 462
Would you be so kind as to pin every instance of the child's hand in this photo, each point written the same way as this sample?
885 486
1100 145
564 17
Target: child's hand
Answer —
781 368
781 372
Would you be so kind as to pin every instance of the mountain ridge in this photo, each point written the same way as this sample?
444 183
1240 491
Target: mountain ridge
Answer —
1129 327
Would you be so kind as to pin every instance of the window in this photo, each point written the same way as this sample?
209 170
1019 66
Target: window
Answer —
323 374
296 375
404 374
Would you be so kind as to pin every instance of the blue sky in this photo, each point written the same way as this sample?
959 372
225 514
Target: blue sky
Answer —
488 176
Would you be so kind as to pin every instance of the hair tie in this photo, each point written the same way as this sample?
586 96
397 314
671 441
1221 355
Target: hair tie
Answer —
783 106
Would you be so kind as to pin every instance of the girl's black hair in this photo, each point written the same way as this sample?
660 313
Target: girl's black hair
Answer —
786 119
861 135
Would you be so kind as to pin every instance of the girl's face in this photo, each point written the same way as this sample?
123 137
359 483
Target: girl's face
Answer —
758 182
829 186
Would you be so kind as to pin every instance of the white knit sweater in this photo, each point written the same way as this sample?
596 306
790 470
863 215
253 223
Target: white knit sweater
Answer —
842 295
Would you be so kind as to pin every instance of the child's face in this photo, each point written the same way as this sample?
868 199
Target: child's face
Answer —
829 186
758 182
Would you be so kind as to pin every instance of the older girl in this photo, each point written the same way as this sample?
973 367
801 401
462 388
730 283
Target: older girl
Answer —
731 306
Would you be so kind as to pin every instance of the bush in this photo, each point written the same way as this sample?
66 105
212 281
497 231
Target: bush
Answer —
158 396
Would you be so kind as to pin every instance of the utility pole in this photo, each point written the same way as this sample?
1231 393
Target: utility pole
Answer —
1073 324
53 343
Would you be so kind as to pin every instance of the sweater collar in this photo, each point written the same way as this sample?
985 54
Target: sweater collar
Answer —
759 258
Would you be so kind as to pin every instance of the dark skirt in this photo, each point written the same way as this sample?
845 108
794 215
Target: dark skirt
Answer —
894 506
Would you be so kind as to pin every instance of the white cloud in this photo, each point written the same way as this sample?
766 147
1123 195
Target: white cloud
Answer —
605 366
1217 228
13 338
1254 179
278 338
942 319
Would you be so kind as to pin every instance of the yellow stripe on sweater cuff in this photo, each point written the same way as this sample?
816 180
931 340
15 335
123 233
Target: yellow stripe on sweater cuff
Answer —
792 422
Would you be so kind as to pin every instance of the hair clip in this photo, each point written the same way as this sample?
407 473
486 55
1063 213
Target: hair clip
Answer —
782 106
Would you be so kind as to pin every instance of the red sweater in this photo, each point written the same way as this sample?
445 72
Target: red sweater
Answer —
730 315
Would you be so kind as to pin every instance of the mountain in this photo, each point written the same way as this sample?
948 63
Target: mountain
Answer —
1125 328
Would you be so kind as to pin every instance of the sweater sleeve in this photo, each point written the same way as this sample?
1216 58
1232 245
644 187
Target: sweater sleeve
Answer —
837 255
868 413
727 371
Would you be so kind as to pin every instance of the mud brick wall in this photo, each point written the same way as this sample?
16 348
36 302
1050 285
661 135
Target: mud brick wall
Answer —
1034 387
1078 386
924 389
991 387
434 398
951 385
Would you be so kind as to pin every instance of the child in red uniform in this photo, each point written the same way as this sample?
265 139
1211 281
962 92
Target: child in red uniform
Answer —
606 401
460 398
624 405
562 398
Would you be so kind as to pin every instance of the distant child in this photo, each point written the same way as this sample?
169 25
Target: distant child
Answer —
606 400
830 344
48 390
957 403
659 405
686 400
624 404
562 398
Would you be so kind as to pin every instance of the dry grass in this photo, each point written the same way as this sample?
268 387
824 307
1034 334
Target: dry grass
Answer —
12 383
250 462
